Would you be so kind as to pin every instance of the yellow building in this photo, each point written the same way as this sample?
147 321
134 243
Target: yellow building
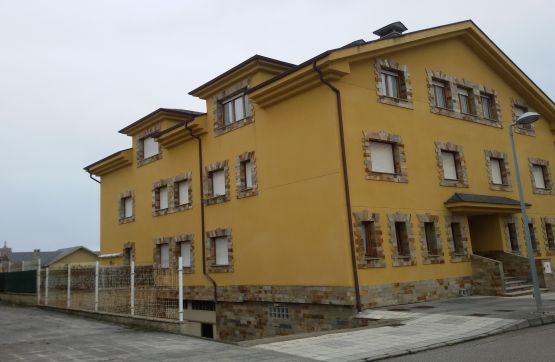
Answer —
377 173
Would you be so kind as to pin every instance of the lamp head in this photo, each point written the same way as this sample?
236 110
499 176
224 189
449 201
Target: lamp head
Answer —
527 118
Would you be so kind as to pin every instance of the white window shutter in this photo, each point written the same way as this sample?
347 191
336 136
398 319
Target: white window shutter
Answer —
128 207
381 154
248 174
150 147
218 183
496 177
222 251
163 197
539 181
165 255
449 165
183 192
186 253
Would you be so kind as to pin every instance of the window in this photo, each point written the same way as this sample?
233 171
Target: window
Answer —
390 82
165 255
246 174
183 193
465 100
496 175
538 172
203 305
457 238
382 157
221 248
163 196
278 311
513 238
449 160
370 240
519 110
236 109
440 93
401 235
185 247
487 105
533 239
549 235
127 203
218 183
150 147
431 238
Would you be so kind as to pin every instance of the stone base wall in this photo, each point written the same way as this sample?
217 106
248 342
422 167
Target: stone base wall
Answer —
414 291
487 276
515 265
547 280
251 320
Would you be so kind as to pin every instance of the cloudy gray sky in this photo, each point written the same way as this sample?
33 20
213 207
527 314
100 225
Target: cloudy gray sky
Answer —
72 73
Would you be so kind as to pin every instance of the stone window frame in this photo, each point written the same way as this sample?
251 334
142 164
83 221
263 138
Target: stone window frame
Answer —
208 197
186 176
463 222
178 239
210 249
516 103
122 196
396 258
532 220
506 236
453 104
505 170
139 146
217 108
365 261
158 242
405 85
460 164
426 258
156 186
547 176
549 250
399 156
128 247
240 178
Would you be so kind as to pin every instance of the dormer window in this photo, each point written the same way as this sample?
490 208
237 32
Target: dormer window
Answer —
390 83
235 109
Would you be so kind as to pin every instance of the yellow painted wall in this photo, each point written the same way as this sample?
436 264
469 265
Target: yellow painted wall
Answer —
78 257
294 232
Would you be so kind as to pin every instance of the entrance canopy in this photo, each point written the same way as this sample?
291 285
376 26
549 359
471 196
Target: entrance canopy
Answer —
473 204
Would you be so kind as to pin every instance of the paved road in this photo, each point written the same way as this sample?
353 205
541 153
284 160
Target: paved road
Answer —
31 334
530 344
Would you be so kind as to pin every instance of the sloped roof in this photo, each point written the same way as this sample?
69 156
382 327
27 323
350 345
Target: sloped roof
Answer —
481 199
184 112
46 257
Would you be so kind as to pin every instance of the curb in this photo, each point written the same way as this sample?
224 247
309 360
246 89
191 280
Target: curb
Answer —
519 324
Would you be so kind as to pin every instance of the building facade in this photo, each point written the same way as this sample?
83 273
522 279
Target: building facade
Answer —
378 173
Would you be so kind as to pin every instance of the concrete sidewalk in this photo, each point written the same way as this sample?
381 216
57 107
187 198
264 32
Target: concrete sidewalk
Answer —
422 326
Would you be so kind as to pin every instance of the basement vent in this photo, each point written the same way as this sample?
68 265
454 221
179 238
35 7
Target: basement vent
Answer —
392 30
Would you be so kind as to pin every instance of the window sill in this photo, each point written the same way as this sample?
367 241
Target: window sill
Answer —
393 101
214 200
220 129
146 161
466 116
126 220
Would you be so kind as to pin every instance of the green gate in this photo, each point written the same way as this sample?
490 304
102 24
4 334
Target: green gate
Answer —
19 282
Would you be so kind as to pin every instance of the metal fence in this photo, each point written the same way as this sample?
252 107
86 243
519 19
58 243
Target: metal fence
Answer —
145 291
19 282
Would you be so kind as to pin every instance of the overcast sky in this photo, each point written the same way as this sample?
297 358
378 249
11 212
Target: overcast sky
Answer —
75 72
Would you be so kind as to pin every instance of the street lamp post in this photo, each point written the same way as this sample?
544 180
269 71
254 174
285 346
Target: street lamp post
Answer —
526 118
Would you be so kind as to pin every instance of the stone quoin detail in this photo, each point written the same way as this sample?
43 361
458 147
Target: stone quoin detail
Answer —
139 146
457 257
405 88
460 164
505 171
209 198
365 261
399 158
218 112
398 259
438 258
124 195
240 177
211 251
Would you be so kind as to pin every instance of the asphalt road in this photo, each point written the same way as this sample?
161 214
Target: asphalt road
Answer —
530 344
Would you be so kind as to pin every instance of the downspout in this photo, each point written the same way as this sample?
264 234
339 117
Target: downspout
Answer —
345 182
92 178
199 142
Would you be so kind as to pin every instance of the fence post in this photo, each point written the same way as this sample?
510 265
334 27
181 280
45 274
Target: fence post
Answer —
96 287
68 302
180 285
46 287
132 282
38 281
